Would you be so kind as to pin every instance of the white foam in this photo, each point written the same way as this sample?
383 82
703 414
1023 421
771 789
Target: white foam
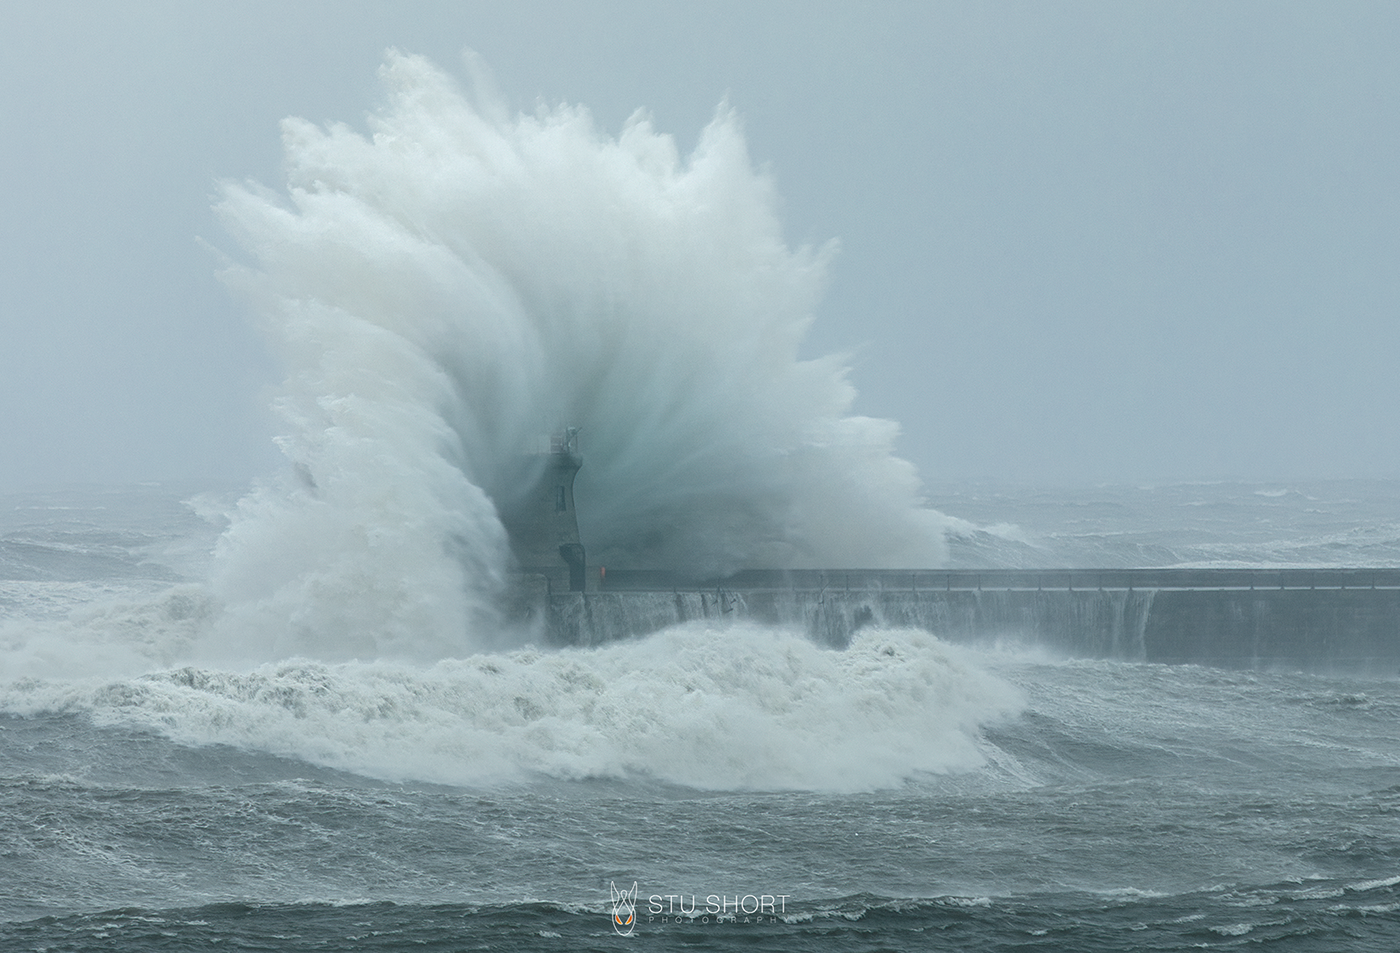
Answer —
449 287
105 629
733 708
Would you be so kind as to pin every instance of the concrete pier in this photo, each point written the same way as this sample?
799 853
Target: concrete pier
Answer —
1315 619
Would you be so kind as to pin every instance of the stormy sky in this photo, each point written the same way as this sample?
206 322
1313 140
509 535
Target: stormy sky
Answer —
1080 243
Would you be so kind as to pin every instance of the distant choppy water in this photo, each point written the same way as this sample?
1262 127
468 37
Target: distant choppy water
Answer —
1202 525
900 795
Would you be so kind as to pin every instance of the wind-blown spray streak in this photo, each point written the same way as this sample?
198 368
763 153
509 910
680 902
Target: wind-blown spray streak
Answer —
458 282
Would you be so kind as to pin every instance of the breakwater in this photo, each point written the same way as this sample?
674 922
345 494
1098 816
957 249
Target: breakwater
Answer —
1343 619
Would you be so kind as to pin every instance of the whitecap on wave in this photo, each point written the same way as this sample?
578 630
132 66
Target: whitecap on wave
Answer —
735 708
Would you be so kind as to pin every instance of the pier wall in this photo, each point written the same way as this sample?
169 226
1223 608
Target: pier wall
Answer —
1344 619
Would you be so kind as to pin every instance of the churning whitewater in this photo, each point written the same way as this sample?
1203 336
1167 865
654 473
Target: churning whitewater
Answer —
735 709
442 292
294 718
459 282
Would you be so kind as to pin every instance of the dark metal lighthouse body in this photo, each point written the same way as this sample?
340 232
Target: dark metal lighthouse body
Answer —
544 532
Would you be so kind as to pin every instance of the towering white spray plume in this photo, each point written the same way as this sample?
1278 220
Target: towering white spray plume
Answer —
459 282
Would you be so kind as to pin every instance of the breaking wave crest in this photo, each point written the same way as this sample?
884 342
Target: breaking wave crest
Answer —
458 282
442 291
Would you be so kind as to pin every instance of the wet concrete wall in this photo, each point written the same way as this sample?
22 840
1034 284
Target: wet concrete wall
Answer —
1313 619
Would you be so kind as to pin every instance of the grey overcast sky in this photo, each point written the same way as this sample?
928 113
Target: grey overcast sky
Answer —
1081 242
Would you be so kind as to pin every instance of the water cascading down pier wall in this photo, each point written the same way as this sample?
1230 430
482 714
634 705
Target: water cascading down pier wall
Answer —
1237 618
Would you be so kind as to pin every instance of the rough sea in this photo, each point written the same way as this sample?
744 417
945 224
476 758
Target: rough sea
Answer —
760 792
289 717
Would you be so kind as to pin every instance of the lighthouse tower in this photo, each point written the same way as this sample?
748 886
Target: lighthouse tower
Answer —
544 529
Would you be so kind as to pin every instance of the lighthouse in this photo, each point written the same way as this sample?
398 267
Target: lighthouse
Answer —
543 528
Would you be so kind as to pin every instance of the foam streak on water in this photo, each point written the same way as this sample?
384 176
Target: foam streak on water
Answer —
458 282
